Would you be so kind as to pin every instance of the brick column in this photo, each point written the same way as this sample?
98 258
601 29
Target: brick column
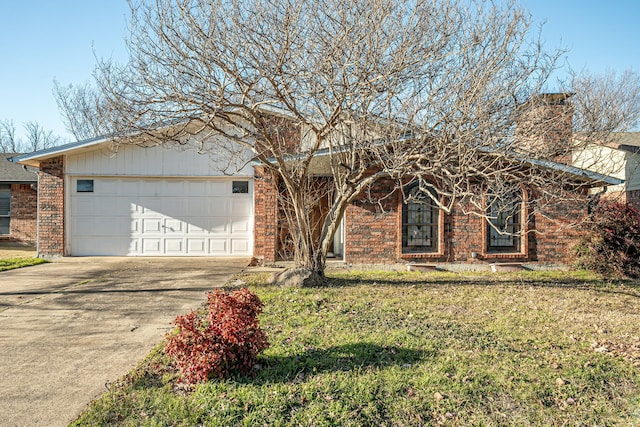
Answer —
265 220
51 208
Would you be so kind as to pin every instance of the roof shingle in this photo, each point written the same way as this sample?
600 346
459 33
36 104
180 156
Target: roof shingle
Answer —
15 173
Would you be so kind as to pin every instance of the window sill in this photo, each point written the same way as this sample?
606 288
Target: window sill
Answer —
422 255
504 255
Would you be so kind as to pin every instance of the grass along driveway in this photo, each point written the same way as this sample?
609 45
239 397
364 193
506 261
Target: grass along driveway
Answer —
16 255
11 263
410 349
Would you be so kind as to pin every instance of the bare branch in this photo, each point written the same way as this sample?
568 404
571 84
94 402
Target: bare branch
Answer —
37 138
9 143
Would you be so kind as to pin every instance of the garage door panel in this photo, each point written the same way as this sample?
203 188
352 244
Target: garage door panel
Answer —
196 187
174 226
220 188
175 207
107 246
83 207
218 225
197 206
240 206
151 246
108 186
174 246
151 187
197 226
197 246
115 226
151 225
151 205
239 246
127 187
218 206
113 206
240 226
174 188
83 226
218 246
155 217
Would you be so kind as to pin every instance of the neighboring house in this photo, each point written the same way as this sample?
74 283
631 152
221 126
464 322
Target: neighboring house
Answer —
171 200
18 201
619 158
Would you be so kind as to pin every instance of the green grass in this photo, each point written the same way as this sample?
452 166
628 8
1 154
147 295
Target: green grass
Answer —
11 263
409 349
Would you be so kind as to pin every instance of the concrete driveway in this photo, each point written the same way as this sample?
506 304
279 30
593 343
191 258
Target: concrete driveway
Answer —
69 327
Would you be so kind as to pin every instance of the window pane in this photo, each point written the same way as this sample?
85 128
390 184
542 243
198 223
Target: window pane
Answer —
504 215
5 202
240 187
4 225
419 223
85 186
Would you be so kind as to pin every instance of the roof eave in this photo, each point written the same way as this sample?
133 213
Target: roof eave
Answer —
34 159
18 181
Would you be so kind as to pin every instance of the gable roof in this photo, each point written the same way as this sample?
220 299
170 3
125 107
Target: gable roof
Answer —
14 173
320 163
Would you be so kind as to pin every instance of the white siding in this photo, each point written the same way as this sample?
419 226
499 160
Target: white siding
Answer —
163 160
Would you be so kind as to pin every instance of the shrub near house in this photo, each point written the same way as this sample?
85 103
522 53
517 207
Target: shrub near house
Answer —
611 244
226 340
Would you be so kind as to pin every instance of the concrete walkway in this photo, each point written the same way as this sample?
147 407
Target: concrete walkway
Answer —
69 327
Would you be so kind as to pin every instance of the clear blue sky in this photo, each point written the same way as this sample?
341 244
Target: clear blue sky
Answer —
45 39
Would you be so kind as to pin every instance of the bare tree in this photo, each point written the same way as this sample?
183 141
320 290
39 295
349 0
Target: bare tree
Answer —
605 103
37 138
82 110
354 90
9 143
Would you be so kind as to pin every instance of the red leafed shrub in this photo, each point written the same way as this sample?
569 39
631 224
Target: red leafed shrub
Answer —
611 244
225 340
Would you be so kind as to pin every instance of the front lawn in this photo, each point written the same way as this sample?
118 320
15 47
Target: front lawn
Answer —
11 263
409 349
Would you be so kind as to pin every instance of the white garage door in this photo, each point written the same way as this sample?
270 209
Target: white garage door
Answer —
155 217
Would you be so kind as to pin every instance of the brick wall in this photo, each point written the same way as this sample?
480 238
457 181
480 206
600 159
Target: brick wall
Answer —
265 221
51 208
465 237
557 233
373 235
371 230
24 205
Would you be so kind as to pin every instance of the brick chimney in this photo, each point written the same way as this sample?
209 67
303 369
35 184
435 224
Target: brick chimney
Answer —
544 127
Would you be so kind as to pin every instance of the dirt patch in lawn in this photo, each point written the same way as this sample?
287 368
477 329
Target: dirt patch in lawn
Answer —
16 250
